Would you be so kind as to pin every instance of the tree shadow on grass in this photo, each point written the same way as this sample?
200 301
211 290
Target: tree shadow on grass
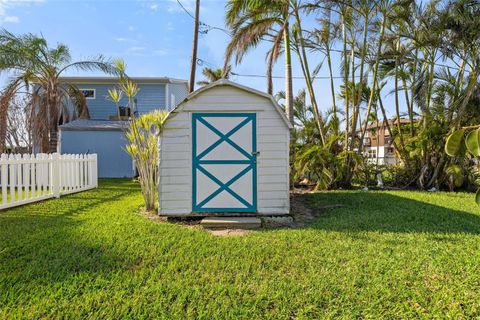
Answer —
44 242
386 212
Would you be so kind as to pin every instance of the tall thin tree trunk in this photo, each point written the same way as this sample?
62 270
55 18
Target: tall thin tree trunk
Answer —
397 102
288 74
345 81
308 79
410 111
362 66
385 119
269 77
330 71
375 73
332 83
193 65
354 102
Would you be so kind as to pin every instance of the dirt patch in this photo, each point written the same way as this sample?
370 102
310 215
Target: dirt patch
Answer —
302 211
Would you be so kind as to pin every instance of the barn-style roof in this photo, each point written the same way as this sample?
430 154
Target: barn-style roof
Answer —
225 82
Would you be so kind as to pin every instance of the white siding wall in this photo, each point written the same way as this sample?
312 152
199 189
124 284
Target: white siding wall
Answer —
175 194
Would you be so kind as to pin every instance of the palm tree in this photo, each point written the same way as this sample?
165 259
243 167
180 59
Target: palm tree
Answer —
213 75
31 61
251 22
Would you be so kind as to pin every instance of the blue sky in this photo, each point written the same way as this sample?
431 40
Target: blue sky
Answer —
153 37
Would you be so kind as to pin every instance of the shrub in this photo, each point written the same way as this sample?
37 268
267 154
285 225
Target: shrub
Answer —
142 138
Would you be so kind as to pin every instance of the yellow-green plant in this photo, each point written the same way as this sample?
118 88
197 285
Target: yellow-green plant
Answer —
142 144
116 95
465 140
126 87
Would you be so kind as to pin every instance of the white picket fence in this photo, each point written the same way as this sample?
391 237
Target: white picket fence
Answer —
31 178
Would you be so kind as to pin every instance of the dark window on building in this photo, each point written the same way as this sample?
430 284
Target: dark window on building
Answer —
88 93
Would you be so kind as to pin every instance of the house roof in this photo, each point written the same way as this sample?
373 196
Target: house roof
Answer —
382 124
110 80
94 125
225 82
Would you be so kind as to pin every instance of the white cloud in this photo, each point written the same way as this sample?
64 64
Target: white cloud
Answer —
140 51
6 5
160 52
131 28
174 6
170 26
154 6
11 19
136 49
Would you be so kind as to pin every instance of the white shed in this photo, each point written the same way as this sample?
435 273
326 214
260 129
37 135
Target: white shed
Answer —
225 149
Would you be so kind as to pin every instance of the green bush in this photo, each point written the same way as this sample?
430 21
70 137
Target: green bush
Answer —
397 176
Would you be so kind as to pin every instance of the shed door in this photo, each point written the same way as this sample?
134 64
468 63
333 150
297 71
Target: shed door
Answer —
224 162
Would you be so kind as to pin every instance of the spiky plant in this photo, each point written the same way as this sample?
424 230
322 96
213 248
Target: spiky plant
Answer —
142 145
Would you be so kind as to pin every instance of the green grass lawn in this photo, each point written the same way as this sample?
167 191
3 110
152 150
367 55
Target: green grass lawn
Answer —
385 254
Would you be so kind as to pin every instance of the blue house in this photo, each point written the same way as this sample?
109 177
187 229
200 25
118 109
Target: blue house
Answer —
103 132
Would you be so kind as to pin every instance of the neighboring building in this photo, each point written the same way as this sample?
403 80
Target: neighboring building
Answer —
379 145
103 132
225 148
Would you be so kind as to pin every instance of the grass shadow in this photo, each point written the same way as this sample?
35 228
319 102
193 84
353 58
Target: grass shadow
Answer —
47 241
402 212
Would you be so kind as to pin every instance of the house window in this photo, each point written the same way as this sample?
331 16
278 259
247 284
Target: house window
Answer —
372 154
88 93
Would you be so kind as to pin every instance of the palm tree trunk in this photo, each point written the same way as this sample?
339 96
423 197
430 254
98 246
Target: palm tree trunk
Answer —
412 93
385 120
354 102
288 74
345 81
53 142
332 84
269 77
472 85
3 125
374 84
362 66
410 110
330 71
302 55
53 105
397 102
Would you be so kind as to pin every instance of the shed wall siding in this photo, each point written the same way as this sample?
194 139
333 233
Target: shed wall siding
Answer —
272 141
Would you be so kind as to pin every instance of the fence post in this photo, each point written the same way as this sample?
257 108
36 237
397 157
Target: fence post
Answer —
55 177
95 170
